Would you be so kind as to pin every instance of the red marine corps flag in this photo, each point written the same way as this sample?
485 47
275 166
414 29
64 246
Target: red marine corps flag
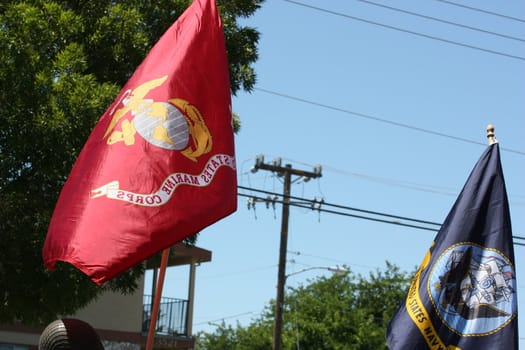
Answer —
159 166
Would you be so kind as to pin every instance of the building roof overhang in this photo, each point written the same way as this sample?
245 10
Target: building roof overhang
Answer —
181 254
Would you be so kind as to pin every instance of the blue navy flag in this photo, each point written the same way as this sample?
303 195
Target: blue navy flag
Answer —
463 295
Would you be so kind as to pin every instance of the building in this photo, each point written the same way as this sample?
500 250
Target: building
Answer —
122 321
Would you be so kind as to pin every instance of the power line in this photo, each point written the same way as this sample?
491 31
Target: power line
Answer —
446 191
377 119
483 11
392 222
364 211
212 322
348 208
381 217
442 20
457 43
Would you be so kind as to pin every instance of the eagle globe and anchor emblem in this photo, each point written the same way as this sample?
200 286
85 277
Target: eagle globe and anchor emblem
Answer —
173 125
473 289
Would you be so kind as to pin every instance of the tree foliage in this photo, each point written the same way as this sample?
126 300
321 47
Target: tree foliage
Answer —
62 64
349 312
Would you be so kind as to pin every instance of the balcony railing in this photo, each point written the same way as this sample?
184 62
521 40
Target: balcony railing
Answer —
172 319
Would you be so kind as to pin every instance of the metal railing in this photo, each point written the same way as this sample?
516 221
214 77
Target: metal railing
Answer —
172 319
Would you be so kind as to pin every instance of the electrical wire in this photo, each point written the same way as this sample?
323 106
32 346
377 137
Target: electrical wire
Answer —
377 119
212 322
407 31
482 11
442 20
380 216
345 207
298 205
445 191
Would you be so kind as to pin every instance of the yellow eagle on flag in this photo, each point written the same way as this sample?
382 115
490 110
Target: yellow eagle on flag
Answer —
175 124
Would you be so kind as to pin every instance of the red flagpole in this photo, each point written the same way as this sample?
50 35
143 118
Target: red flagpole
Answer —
156 301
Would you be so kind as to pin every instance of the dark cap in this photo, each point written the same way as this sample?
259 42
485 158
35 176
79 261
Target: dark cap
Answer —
69 334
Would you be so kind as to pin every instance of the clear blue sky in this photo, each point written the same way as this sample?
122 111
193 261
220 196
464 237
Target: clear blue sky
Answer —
342 67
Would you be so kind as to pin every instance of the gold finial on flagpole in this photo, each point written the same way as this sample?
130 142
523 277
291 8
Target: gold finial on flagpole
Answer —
490 135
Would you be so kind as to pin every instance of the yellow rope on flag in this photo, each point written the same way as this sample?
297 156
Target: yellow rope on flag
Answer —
419 315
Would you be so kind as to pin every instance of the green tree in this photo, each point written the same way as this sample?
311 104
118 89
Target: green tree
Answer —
346 312
256 336
62 64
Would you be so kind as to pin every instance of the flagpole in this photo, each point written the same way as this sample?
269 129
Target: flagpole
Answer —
156 301
490 135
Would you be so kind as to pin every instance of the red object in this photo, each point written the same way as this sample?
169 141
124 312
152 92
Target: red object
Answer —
159 166
156 300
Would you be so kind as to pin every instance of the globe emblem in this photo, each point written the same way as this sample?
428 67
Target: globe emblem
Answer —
174 124
167 130
473 289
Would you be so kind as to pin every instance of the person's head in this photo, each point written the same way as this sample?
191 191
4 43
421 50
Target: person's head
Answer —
69 334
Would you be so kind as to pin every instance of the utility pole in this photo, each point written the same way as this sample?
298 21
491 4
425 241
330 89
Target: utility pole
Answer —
286 172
